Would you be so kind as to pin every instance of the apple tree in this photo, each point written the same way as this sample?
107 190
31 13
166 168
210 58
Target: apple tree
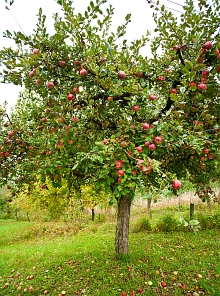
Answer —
96 111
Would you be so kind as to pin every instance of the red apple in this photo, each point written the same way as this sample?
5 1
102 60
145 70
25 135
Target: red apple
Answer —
62 63
83 72
145 125
119 180
71 97
76 63
121 173
75 90
152 97
118 164
71 141
173 91
43 186
160 78
43 152
135 108
147 143
50 84
218 69
192 84
176 184
35 51
146 170
202 86
105 141
39 81
163 284
208 45
139 149
121 75
31 74
75 119
134 172
60 120
176 47
140 161
206 151
211 156
140 74
103 60
205 73
218 56
158 140
123 144
10 134
44 119
152 147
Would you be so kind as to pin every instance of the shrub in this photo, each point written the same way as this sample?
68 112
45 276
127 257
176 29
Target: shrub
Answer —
208 221
167 223
142 224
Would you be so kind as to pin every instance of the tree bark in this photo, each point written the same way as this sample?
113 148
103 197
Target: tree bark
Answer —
149 208
122 228
191 211
209 204
93 214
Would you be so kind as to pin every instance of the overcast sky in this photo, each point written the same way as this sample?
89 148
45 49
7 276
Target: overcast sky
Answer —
24 11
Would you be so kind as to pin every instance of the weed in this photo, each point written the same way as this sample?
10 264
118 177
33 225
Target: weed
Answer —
167 223
208 221
142 224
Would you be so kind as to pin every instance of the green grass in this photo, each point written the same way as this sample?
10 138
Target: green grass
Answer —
58 260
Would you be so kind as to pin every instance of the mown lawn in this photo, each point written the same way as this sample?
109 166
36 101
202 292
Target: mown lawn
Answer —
49 259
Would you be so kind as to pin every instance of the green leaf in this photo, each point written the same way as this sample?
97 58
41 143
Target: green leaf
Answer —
193 222
128 17
75 166
188 65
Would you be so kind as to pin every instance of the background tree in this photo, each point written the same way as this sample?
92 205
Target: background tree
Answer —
95 110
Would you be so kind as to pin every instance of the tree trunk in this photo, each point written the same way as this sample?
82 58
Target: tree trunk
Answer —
93 215
149 200
209 204
191 211
122 228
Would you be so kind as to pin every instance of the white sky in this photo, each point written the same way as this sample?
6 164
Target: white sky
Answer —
25 13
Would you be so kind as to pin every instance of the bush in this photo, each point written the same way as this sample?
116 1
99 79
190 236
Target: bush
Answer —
167 223
208 221
142 224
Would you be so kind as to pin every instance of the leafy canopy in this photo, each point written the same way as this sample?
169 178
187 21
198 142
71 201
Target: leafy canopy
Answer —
95 110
